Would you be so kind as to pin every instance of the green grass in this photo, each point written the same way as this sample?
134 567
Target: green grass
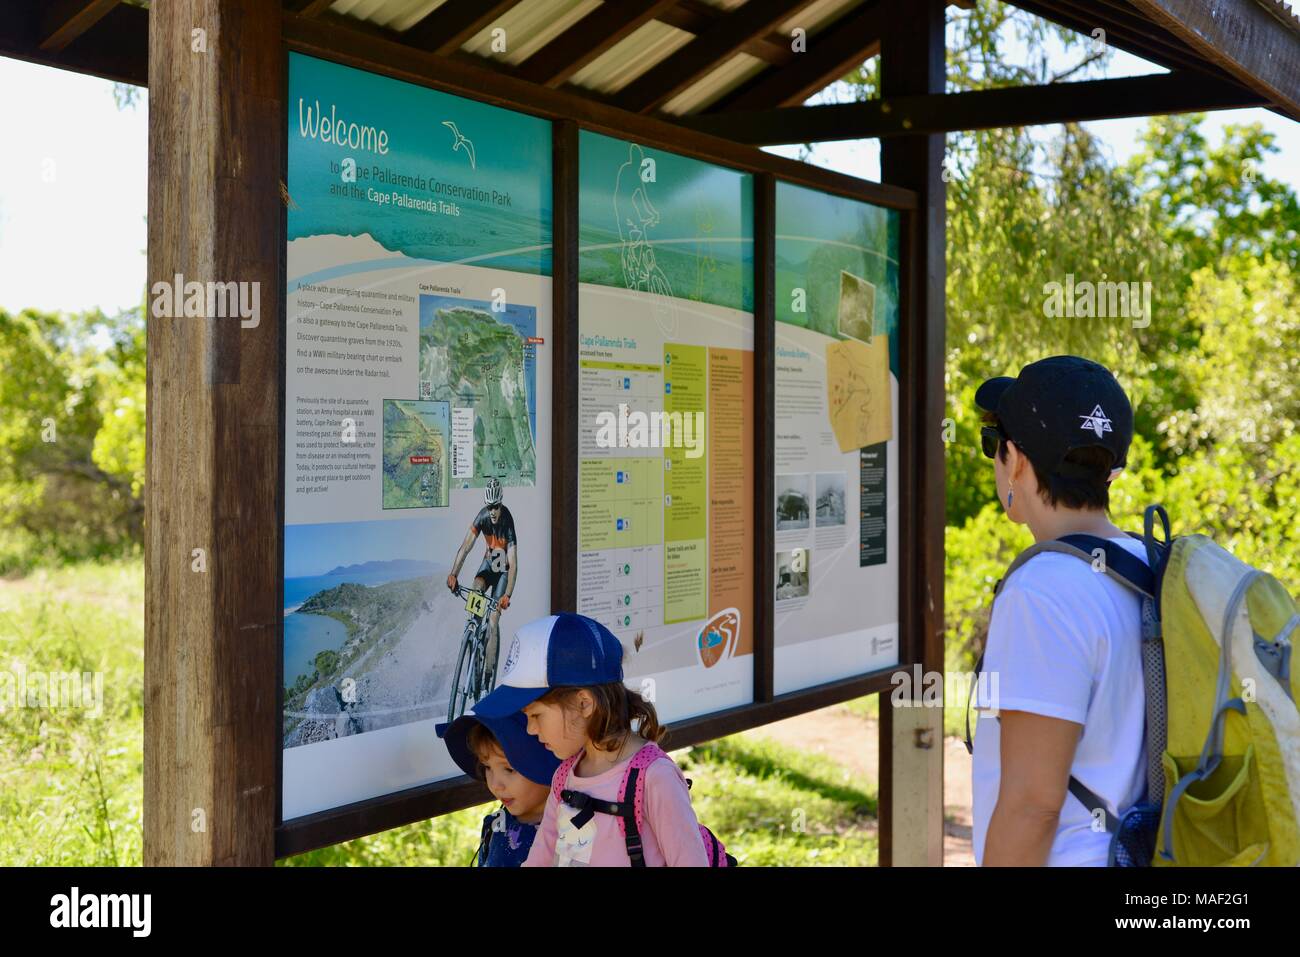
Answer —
71 781
71 785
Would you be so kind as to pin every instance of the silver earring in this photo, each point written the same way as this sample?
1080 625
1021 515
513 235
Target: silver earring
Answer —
1010 493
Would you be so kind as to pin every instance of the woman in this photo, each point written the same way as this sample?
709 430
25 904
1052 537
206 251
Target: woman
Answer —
1062 656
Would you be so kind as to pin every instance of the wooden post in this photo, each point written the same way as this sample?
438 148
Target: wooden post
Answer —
215 387
911 739
764 436
564 367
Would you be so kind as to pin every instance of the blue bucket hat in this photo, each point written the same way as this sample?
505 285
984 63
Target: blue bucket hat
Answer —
525 753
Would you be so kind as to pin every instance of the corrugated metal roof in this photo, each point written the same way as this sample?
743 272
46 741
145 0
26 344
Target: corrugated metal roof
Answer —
531 24
714 86
633 55
1283 11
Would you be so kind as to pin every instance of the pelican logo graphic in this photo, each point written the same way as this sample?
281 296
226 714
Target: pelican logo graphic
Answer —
512 658
461 141
719 637
1098 421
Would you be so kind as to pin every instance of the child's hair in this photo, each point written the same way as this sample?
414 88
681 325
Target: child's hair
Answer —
617 706
482 742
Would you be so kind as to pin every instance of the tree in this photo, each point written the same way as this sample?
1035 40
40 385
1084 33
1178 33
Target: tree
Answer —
68 487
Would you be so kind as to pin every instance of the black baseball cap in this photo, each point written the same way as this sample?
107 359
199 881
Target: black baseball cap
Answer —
1059 404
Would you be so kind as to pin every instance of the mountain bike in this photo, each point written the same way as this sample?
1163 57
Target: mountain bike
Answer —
470 682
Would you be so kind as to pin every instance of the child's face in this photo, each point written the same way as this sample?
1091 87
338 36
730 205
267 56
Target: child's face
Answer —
563 732
523 798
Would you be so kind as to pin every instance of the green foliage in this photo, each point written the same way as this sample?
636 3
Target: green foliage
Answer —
71 437
1247 320
1213 201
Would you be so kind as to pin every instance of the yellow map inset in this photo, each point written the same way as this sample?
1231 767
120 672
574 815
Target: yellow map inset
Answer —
857 386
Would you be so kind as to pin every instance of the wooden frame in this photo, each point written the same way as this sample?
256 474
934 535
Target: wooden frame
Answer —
980 109
569 114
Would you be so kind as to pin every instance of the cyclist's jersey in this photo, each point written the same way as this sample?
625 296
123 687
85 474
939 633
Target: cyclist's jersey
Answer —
497 538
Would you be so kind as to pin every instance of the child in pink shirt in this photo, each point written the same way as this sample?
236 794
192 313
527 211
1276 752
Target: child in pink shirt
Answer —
565 673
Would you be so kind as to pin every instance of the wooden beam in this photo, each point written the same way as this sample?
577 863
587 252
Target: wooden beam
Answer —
695 16
911 812
368 52
835 50
117 50
587 39
979 109
65 20
213 438
313 8
1132 35
714 46
450 26
1240 36
429 800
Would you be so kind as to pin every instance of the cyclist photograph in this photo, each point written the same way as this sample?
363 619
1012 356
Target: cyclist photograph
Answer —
496 574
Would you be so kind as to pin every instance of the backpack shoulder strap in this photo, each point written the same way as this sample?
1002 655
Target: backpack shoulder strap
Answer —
485 838
632 819
1119 565
560 779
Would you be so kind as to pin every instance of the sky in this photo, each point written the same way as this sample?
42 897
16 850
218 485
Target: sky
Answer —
73 180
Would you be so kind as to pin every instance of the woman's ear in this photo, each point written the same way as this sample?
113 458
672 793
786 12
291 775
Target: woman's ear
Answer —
1017 462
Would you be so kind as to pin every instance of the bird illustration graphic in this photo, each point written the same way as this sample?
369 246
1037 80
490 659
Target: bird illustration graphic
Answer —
461 140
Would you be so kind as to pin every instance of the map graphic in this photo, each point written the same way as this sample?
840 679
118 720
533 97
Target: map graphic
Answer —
417 463
857 386
481 363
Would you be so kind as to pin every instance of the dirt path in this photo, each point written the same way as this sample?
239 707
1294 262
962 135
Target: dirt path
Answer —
852 741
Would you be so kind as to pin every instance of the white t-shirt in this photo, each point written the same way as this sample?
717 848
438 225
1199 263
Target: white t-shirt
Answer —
1065 641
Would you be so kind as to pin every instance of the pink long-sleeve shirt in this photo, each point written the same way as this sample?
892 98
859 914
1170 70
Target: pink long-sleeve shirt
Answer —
670 834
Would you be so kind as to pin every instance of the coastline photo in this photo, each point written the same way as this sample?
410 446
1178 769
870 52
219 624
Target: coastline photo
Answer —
367 636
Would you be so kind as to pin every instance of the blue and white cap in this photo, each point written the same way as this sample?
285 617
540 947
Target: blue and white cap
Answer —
557 651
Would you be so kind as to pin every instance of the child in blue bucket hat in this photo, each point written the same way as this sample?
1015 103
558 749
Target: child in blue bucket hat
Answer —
516 768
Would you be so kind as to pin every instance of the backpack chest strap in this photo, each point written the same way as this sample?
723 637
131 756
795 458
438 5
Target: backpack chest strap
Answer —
629 809
587 806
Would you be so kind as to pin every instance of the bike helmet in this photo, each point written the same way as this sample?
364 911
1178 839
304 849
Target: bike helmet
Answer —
492 492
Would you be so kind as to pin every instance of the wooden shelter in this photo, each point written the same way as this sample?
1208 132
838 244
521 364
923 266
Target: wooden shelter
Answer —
708 78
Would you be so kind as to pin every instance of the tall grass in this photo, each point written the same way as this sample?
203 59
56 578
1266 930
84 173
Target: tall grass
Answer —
70 776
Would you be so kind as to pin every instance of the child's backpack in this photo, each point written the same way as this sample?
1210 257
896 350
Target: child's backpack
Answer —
1222 727
630 814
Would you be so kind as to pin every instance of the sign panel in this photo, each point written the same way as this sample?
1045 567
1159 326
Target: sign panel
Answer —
417 375
835 592
666 367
